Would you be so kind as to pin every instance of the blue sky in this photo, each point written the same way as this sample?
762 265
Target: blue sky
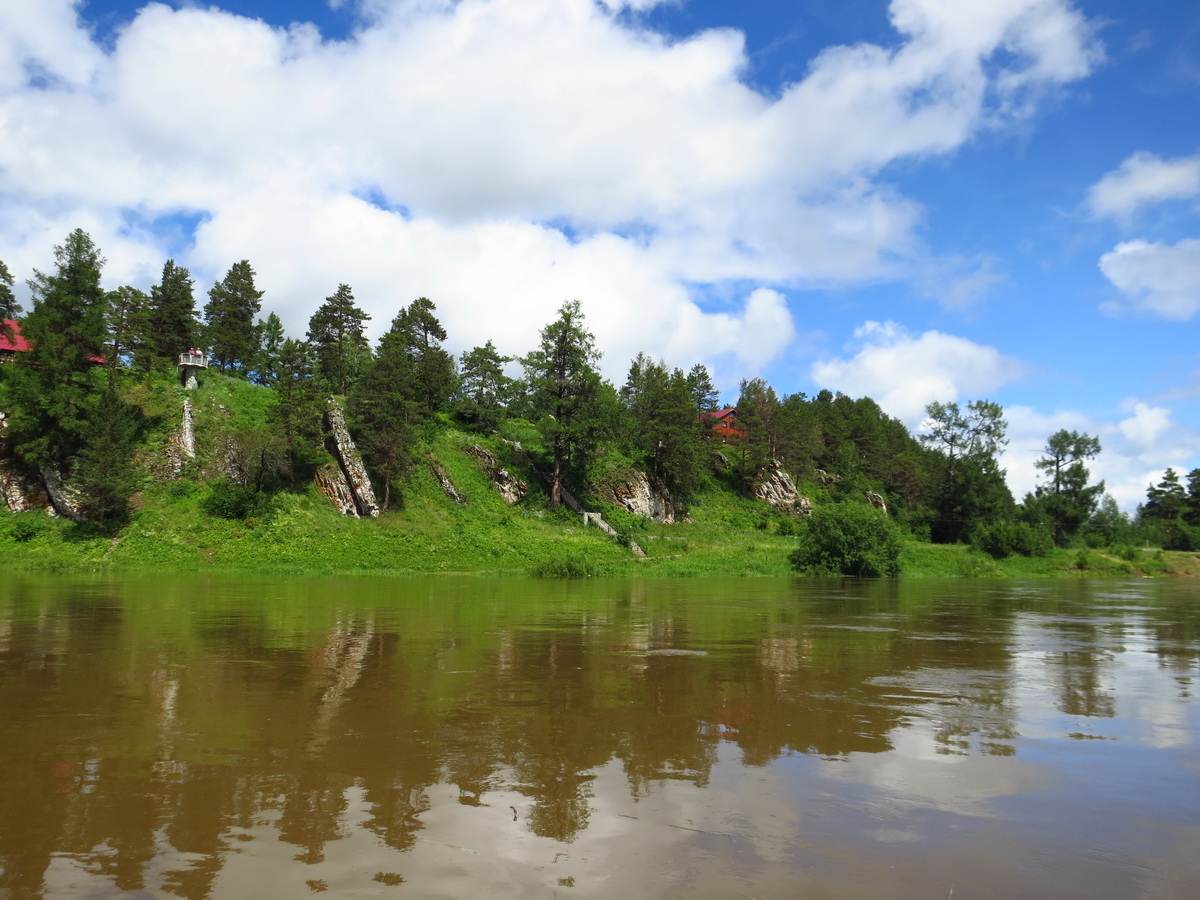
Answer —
914 201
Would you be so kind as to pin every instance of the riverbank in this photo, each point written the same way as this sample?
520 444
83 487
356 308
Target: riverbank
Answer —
300 534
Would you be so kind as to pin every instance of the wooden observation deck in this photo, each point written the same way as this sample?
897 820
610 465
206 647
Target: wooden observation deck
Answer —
190 364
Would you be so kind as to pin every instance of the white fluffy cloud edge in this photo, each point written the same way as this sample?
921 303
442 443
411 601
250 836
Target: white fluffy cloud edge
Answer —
502 156
903 372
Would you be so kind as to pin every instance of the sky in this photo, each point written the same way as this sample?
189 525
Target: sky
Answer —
915 201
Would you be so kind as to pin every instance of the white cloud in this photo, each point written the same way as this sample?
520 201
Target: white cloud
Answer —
1141 180
1163 279
903 373
1134 450
519 152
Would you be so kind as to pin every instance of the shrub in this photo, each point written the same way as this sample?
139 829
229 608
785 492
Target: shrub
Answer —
569 564
25 528
849 539
1000 540
231 501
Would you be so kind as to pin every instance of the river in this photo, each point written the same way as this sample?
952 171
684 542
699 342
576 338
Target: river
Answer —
471 737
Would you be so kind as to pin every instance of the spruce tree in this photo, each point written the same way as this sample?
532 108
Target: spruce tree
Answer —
483 390
270 345
384 411
335 332
127 324
434 376
233 302
565 394
53 387
173 328
297 414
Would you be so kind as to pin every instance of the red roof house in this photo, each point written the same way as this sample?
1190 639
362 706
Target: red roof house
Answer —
722 425
11 342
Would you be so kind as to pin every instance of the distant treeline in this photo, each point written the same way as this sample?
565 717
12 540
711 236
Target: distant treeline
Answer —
71 404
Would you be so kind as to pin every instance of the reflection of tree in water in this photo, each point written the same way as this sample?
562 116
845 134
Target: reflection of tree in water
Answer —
562 739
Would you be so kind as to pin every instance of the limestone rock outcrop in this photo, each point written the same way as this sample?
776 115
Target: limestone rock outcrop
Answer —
446 484
181 443
775 487
20 494
511 488
332 483
877 501
343 450
645 497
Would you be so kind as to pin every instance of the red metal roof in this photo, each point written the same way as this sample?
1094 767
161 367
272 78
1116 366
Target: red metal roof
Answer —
718 413
14 342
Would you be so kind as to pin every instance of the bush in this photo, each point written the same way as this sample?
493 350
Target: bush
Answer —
849 539
25 528
569 564
231 501
1000 540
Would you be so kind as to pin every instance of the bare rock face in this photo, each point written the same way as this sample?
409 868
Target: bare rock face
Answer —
181 443
346 454
645 498
447 485
64 500
512 489
877 501
332 483
20 493
775 487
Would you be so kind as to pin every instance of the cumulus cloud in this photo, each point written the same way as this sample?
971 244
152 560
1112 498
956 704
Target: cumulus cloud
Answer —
903 373
1141 180
1161 279
501 156
1134 450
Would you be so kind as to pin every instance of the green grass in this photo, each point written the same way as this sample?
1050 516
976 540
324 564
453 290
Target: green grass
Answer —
426 532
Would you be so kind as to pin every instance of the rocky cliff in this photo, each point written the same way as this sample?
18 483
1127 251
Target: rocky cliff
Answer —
643 496
775 486
511 488
349 462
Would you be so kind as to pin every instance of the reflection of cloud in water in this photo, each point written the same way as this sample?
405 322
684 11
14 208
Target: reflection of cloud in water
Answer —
918 772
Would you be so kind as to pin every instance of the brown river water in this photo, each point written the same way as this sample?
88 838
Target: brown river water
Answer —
471 737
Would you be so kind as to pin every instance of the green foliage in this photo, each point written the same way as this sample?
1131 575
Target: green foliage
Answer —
173 328
8 300
340 349
564 564
1003 538
849 539
566 396
227 500
660 421
1066 498
484 390
233 302
54 389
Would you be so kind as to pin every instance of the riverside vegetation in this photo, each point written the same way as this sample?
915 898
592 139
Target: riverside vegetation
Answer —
96 402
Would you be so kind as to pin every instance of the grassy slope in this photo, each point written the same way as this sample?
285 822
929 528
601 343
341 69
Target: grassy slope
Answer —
300 533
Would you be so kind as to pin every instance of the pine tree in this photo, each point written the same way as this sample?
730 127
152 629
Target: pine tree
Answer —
296 416
1066 498
384 413
229 315
434 376
704 393
126 327
483 390
335 332
565 394
104 470
173 326
271 340
662 420
54 387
